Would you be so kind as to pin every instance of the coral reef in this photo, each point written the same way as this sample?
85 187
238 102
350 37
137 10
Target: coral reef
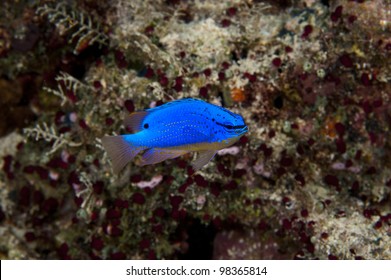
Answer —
311 179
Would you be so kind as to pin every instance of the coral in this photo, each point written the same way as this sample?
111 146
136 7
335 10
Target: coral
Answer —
80 26
49 134
311 179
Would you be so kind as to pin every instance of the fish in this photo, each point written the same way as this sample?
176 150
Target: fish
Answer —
174 129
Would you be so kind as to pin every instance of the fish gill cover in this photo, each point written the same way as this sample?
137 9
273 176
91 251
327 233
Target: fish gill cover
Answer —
311 179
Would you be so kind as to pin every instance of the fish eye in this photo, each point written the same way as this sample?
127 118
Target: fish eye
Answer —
146 125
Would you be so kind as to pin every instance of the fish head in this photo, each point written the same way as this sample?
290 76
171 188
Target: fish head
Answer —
233 125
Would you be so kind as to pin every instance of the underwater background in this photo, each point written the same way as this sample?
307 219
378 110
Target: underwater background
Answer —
310 180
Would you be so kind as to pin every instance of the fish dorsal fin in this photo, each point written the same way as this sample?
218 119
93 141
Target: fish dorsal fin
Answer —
156 155
203 158
135 120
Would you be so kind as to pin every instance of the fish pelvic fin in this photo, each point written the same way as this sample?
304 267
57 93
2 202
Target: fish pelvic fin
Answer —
156 155
203 158
135 120
119 151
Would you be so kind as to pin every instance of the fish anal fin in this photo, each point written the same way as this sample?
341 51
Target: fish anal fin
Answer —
134 120
156 155
119 151
203 158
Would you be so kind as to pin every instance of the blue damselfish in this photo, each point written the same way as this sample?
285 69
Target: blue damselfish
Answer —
173 129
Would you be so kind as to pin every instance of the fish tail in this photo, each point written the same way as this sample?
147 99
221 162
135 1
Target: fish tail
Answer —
120 151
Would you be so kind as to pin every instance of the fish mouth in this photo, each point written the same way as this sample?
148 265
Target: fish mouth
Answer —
241 129
234 129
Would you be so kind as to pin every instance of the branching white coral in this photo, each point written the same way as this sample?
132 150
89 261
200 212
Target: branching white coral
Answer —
58 92
83 27
50 134
69 82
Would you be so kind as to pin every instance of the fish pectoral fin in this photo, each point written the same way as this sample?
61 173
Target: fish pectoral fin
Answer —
156 155
134 120
203 158
119 151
